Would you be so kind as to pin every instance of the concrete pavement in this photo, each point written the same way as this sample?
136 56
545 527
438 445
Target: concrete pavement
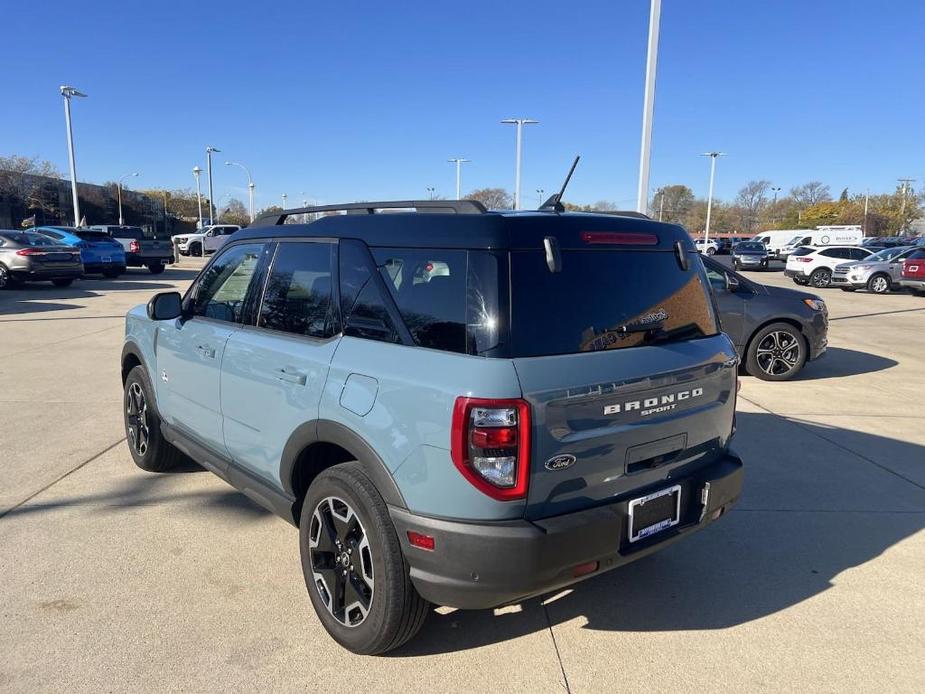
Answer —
118 580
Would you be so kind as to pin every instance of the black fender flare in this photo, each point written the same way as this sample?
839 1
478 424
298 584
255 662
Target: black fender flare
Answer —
327 431
130 348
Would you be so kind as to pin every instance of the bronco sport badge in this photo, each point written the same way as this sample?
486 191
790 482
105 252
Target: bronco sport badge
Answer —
649 406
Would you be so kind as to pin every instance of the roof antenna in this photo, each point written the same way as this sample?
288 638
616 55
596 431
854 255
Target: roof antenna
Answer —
555 201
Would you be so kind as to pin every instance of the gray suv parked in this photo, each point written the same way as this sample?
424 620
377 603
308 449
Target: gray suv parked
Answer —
454 406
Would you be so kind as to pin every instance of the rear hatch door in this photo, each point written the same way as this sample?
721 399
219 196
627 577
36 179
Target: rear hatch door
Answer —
628 379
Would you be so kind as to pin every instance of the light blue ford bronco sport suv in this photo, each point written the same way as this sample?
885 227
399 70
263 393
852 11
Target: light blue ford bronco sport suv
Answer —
454 406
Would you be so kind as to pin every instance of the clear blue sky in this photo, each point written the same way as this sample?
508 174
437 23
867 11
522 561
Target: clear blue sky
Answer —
366 100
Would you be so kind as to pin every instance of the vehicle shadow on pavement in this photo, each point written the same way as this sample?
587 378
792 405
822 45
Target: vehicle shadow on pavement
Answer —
839 362
149 489
34 298
807 515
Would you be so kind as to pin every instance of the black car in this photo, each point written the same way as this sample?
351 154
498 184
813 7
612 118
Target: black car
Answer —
775 330
29 257
750 255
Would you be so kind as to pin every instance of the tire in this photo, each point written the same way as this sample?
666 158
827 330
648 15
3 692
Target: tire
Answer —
801 282
63 282
711 251
777 352
848 289
195 250
394 612
156 268
149 449
7 280
879 284
821 278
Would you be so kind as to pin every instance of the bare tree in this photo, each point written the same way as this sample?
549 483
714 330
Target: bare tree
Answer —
492 198
751 199
810 193
673 203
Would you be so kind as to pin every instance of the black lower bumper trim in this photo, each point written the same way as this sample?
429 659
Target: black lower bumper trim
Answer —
484 565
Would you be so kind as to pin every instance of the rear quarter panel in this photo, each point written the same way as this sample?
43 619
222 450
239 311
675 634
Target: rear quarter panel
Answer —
408 421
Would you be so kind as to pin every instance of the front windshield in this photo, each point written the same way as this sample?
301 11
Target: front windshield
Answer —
795 240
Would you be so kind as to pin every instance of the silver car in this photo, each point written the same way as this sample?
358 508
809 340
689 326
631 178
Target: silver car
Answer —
878 273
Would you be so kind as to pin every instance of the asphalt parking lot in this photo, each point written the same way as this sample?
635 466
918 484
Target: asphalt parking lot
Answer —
114 579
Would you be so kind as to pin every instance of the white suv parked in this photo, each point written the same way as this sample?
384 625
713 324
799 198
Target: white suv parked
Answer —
710 247
206 241
812 265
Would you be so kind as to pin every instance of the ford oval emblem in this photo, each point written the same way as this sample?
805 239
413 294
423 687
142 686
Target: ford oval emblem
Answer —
560 462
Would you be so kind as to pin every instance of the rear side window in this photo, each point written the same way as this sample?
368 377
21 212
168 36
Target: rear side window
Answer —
298 297
52 234
363 307
802 251
94 235
429 288
606 300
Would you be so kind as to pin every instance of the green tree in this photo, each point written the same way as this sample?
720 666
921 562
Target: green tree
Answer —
672 203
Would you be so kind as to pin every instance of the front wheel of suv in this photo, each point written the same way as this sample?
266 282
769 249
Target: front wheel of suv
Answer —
776 353
879 284
357 577
149 449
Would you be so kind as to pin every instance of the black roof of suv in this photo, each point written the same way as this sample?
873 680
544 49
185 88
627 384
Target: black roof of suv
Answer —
467 224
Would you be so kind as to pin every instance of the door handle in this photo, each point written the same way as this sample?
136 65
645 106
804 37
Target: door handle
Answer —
296 377
206 351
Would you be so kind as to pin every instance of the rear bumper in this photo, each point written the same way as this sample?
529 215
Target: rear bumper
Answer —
96 268
39 274
795 273
912 284
137 260
483 565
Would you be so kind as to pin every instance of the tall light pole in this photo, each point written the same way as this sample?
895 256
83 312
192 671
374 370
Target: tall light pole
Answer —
250 187
902 212
128 175
431 192
713 156
67 92
196 172
285 198
459 163
539 193
212 207
866 201
775 191
648 107
520 123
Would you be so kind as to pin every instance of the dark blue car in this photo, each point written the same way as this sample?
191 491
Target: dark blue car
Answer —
99 252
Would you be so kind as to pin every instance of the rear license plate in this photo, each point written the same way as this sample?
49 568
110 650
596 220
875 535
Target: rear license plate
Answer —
654 513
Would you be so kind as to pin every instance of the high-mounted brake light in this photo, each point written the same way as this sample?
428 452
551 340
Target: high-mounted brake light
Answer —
490 445
617 238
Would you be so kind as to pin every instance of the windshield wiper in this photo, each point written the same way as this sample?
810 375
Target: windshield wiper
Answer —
640 327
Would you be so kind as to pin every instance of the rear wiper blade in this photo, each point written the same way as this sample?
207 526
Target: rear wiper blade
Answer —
640 327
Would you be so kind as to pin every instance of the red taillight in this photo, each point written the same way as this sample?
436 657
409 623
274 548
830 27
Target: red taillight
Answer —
421 541
616 238
588 567
30 251
490 445
134 247
801 259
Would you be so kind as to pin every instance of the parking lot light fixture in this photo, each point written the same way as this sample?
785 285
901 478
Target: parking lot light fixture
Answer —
67 92
212 208
648 107
459 162
519 123
713 156
196 173
285 198
250 187
128 175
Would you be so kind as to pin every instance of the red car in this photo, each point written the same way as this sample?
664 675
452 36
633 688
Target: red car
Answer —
913 276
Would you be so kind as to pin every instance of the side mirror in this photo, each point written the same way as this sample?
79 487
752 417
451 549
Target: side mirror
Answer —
732 283
165 306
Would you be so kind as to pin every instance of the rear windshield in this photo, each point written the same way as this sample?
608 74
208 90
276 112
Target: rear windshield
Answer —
127 233
93 235
606 300
751 246
918 255
804 250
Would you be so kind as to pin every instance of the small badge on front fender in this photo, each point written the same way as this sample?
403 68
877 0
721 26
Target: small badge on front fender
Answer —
560 462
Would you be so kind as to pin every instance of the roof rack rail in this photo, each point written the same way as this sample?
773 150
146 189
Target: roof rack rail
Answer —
425 206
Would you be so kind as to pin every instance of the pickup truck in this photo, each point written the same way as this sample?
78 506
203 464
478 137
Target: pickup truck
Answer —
205 241
913 276
140 251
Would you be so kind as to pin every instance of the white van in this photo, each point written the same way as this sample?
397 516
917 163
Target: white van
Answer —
775 239
847 235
